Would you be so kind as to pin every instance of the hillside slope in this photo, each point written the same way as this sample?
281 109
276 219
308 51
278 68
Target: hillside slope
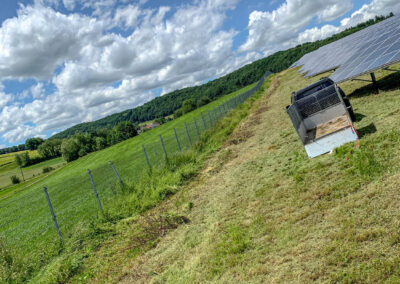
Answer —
262 212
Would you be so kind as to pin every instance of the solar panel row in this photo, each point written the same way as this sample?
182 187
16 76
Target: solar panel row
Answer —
372 48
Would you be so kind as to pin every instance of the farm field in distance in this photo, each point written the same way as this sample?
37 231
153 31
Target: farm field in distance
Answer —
8 168
26 224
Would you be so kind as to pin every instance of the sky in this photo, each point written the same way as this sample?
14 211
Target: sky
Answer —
63 62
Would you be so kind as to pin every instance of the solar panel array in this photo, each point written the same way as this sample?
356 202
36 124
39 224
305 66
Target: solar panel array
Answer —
372 48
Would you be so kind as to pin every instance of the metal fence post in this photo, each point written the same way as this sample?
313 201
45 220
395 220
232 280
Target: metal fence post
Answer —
177 140
204 121
116 173
187 132
145 155
226 107
163 146
197 129
214 115
95 192
209 117
220 111
52 212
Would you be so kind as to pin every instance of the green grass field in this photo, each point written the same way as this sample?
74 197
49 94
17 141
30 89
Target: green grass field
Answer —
26 225
8 168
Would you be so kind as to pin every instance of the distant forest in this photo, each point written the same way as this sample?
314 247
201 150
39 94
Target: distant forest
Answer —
167 104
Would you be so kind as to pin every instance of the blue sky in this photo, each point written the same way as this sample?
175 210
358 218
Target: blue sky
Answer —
64 62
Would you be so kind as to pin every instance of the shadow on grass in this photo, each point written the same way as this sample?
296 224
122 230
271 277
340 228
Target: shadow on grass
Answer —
388 83
366 130
359 117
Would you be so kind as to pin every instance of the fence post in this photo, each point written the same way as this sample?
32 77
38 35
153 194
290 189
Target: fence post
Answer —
52 212
177 140
95 192
209 116
214 114
187 132
204 121
226 107
197 129
163 146
220 110
145 155
116 173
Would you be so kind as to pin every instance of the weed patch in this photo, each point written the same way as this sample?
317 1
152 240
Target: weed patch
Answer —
229 250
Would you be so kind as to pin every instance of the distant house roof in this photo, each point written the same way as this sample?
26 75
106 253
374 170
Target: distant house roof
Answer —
150 126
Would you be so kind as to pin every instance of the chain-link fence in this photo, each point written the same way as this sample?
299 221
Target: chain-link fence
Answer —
26 219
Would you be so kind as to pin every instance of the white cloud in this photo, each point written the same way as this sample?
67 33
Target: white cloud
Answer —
318 33
334 11
38 91
184 49
39 39
278 29
375 8
69 4
128 16
366 12
4 98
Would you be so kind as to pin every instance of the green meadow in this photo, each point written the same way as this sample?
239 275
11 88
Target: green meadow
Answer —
26 226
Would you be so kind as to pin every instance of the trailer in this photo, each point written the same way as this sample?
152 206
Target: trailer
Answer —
323 117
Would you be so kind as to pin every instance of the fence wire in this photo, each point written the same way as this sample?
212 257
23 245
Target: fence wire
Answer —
25 218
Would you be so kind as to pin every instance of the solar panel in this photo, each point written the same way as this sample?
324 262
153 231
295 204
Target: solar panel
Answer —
362 52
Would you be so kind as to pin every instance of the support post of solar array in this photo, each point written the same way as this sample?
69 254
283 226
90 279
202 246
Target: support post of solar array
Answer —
52 213
373 78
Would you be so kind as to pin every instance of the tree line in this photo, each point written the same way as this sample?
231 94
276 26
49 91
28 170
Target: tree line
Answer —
78 145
